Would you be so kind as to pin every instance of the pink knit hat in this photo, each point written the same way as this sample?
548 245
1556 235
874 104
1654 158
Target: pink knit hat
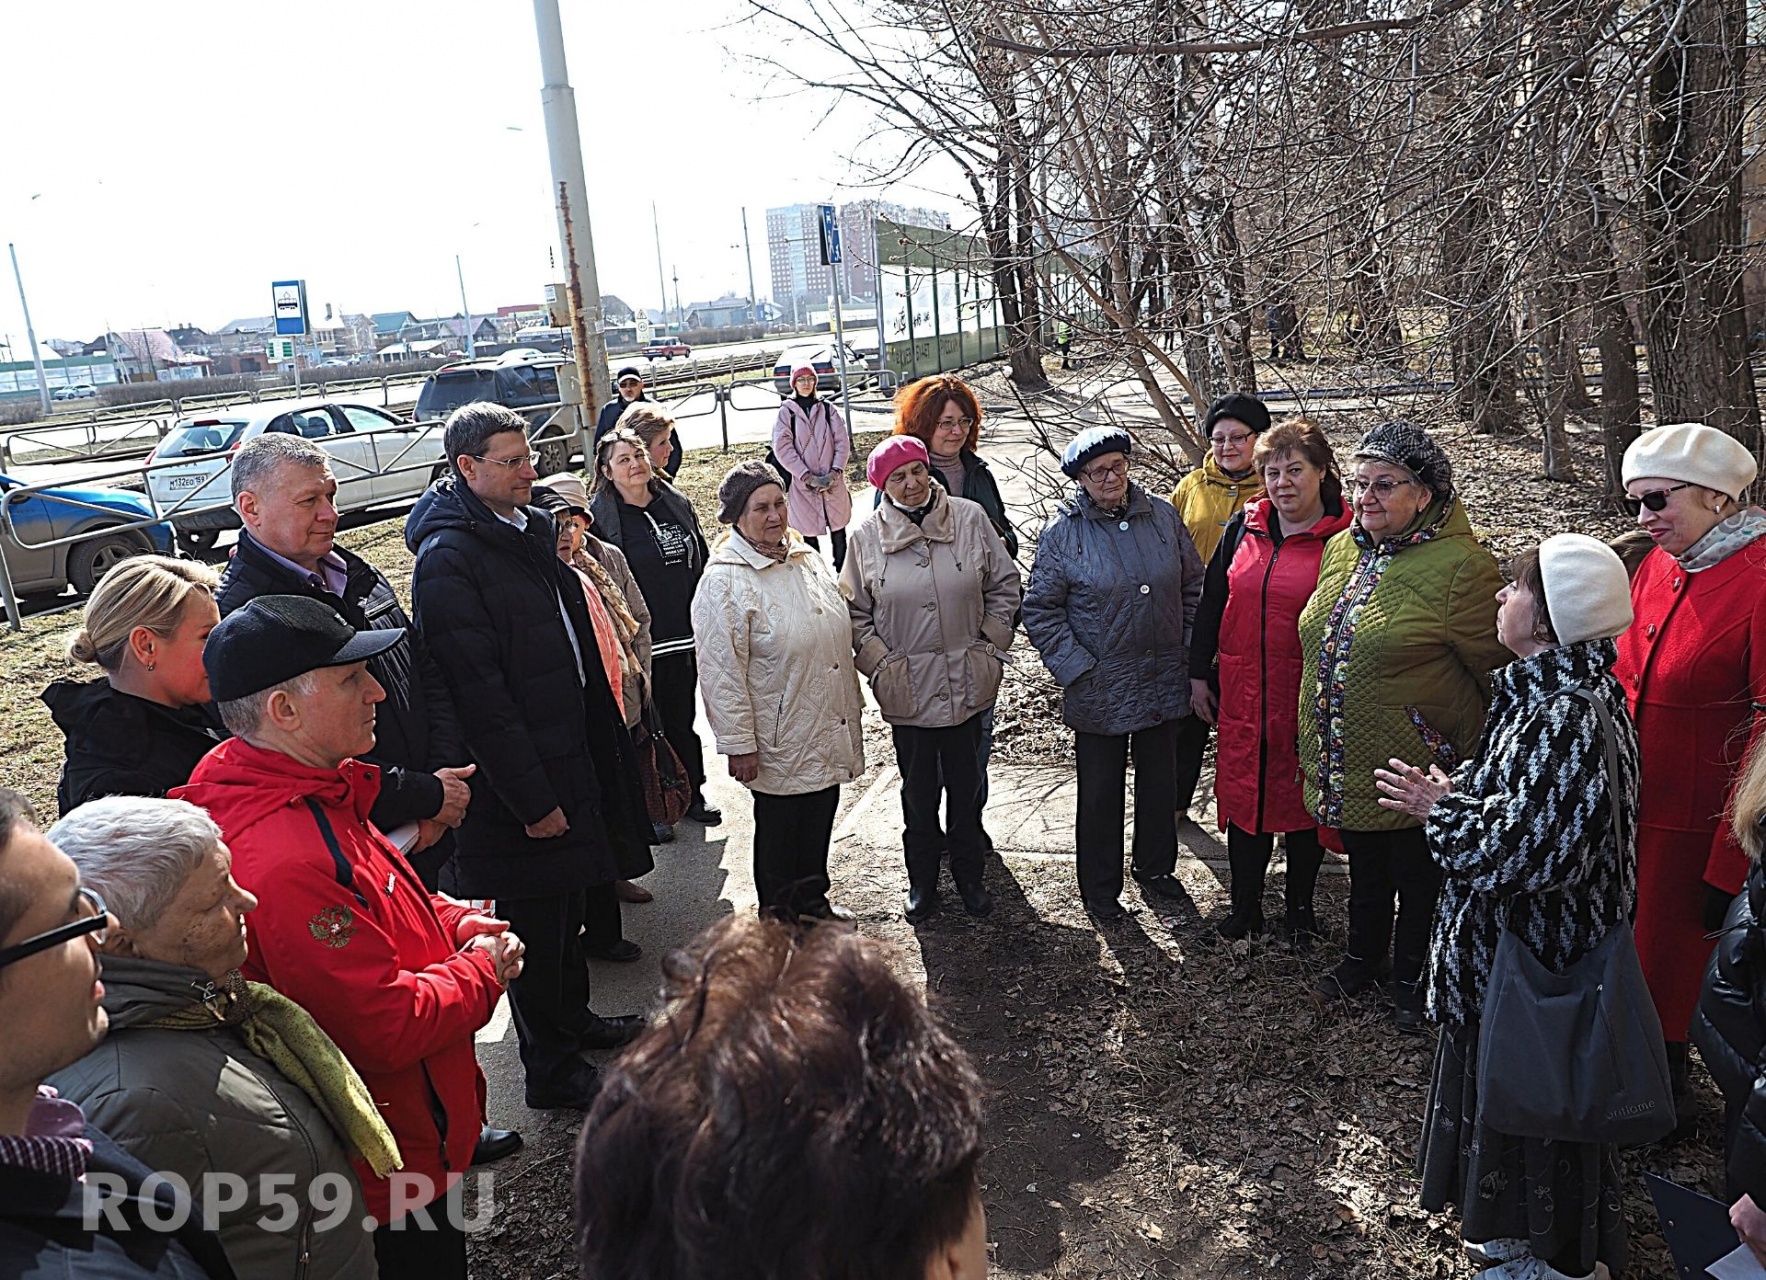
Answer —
893 452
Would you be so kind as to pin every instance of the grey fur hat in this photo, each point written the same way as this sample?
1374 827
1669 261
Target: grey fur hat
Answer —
734 490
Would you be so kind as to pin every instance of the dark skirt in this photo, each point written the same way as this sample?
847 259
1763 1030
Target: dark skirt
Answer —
1561 1197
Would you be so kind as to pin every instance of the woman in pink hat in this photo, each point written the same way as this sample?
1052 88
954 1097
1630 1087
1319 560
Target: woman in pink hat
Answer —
932 593
812 448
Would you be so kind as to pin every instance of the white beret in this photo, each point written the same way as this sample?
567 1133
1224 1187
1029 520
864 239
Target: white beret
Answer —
1694 453
1587 592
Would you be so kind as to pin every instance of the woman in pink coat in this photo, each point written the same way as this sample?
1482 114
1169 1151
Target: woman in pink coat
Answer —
1693 666
811 445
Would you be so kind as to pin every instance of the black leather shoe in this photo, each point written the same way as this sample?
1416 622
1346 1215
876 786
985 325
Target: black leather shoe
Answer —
575 1093
612 1033
977 901
1166 886
1349 979
494 1144
661 833
922 904
1106 912
622 952
1408 1021
704 814
828 911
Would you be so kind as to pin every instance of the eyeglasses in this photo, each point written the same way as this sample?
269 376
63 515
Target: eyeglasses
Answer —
520 459
97 924
1381 488
1655 499
1233 441
964 423
1106 470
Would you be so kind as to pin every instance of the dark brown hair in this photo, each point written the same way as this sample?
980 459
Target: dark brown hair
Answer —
1303 439
1631 547
14 809
918 404
1525 570
796 1113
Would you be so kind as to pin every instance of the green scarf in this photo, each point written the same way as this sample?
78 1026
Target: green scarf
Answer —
285 1035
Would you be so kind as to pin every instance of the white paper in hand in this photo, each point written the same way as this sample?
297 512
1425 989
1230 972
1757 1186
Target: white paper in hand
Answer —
1740 1265
404 838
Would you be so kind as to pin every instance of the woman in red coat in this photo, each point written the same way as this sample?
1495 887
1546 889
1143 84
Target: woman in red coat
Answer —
1259 579
1693 666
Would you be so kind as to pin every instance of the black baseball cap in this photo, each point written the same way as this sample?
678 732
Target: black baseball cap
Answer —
630 371
276 638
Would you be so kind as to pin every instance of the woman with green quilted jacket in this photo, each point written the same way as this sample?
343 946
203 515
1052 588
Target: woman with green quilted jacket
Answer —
1398 644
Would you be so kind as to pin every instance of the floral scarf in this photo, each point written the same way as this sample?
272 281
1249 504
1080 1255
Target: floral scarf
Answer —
1724 540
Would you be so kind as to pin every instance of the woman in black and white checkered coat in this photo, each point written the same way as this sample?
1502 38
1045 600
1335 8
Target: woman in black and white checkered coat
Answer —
1524 833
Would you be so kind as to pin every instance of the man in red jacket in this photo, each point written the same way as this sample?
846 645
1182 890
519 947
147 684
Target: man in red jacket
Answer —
401 979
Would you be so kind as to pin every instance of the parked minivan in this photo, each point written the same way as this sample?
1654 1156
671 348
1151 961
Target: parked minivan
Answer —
525 382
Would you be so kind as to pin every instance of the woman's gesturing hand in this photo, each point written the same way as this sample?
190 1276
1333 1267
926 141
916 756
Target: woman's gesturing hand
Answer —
1409 789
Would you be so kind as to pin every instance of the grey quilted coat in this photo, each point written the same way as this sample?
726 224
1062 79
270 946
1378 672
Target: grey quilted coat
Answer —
1110 605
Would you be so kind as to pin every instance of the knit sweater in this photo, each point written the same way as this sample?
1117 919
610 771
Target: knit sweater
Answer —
1526 835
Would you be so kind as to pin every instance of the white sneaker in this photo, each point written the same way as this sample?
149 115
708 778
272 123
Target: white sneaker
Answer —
1527 1267
1490 1252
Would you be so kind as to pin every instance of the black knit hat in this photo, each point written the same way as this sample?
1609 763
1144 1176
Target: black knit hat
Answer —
1404 444
1247 409
734 490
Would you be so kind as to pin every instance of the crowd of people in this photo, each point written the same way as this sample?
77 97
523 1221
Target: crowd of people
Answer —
313 839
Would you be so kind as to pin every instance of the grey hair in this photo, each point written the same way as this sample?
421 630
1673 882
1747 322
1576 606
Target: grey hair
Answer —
258 459
136 853
242 716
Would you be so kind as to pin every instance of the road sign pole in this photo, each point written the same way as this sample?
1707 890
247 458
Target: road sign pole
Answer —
31 334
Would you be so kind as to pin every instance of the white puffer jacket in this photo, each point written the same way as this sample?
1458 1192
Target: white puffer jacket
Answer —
775 667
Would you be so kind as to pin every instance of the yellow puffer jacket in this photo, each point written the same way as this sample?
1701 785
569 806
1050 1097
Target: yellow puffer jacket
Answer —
1207 498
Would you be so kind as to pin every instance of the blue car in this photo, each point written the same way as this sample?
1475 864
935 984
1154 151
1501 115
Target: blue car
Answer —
37 559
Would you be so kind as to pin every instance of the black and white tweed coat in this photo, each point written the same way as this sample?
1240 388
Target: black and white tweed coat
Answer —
1526 835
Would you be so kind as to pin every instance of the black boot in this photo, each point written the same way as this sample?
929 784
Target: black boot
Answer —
1249 863
1305 857
1686 1113
922 902
977 901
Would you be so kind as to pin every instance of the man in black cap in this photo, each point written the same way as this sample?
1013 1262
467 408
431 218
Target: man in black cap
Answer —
631 390
400 978
558 814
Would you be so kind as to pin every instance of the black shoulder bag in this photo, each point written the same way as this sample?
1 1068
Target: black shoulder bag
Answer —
1575 1056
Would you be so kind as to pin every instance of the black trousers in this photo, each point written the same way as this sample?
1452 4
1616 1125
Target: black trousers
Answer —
674 682
602 927
791 835
948 761
550 1000
839 544
1103 779
1381 864
408 1251
1248 854
1192 745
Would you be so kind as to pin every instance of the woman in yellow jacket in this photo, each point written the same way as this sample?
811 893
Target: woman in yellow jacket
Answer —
1206 499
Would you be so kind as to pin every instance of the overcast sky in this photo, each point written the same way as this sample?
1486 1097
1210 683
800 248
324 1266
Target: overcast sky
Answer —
164 163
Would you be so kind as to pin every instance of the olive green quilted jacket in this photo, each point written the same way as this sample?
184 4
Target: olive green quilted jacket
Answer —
1398 643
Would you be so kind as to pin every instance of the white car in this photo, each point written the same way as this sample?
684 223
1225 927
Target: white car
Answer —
74 393
378 460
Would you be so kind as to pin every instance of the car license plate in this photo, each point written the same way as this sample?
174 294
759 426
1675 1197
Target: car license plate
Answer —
183 482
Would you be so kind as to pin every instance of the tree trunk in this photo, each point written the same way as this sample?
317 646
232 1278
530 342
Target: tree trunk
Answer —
1695 323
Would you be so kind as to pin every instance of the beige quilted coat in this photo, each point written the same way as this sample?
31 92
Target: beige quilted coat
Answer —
775 667
932 608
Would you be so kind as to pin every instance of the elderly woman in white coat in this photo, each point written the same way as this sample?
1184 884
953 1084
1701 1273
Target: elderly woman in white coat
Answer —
811 445
780 690
932 592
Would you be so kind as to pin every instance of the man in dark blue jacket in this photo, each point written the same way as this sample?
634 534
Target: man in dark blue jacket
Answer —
631 390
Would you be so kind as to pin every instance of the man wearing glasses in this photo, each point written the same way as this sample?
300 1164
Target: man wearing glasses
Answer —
50 929
557 813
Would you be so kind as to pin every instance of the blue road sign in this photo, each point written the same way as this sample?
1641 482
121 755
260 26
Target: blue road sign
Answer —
289 298
830 237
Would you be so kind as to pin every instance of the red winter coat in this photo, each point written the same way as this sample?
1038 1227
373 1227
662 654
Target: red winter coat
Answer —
1257 783
357 941
1693 666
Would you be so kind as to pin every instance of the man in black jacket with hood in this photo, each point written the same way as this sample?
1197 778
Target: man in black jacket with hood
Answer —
557 814
285 494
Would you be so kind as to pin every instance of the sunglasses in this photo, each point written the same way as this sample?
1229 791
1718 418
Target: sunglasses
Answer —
97 923
1655 499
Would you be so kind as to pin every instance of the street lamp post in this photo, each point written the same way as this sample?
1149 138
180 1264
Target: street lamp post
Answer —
31 336
465 311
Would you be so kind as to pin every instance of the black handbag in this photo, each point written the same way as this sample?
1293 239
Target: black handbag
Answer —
1575 1056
